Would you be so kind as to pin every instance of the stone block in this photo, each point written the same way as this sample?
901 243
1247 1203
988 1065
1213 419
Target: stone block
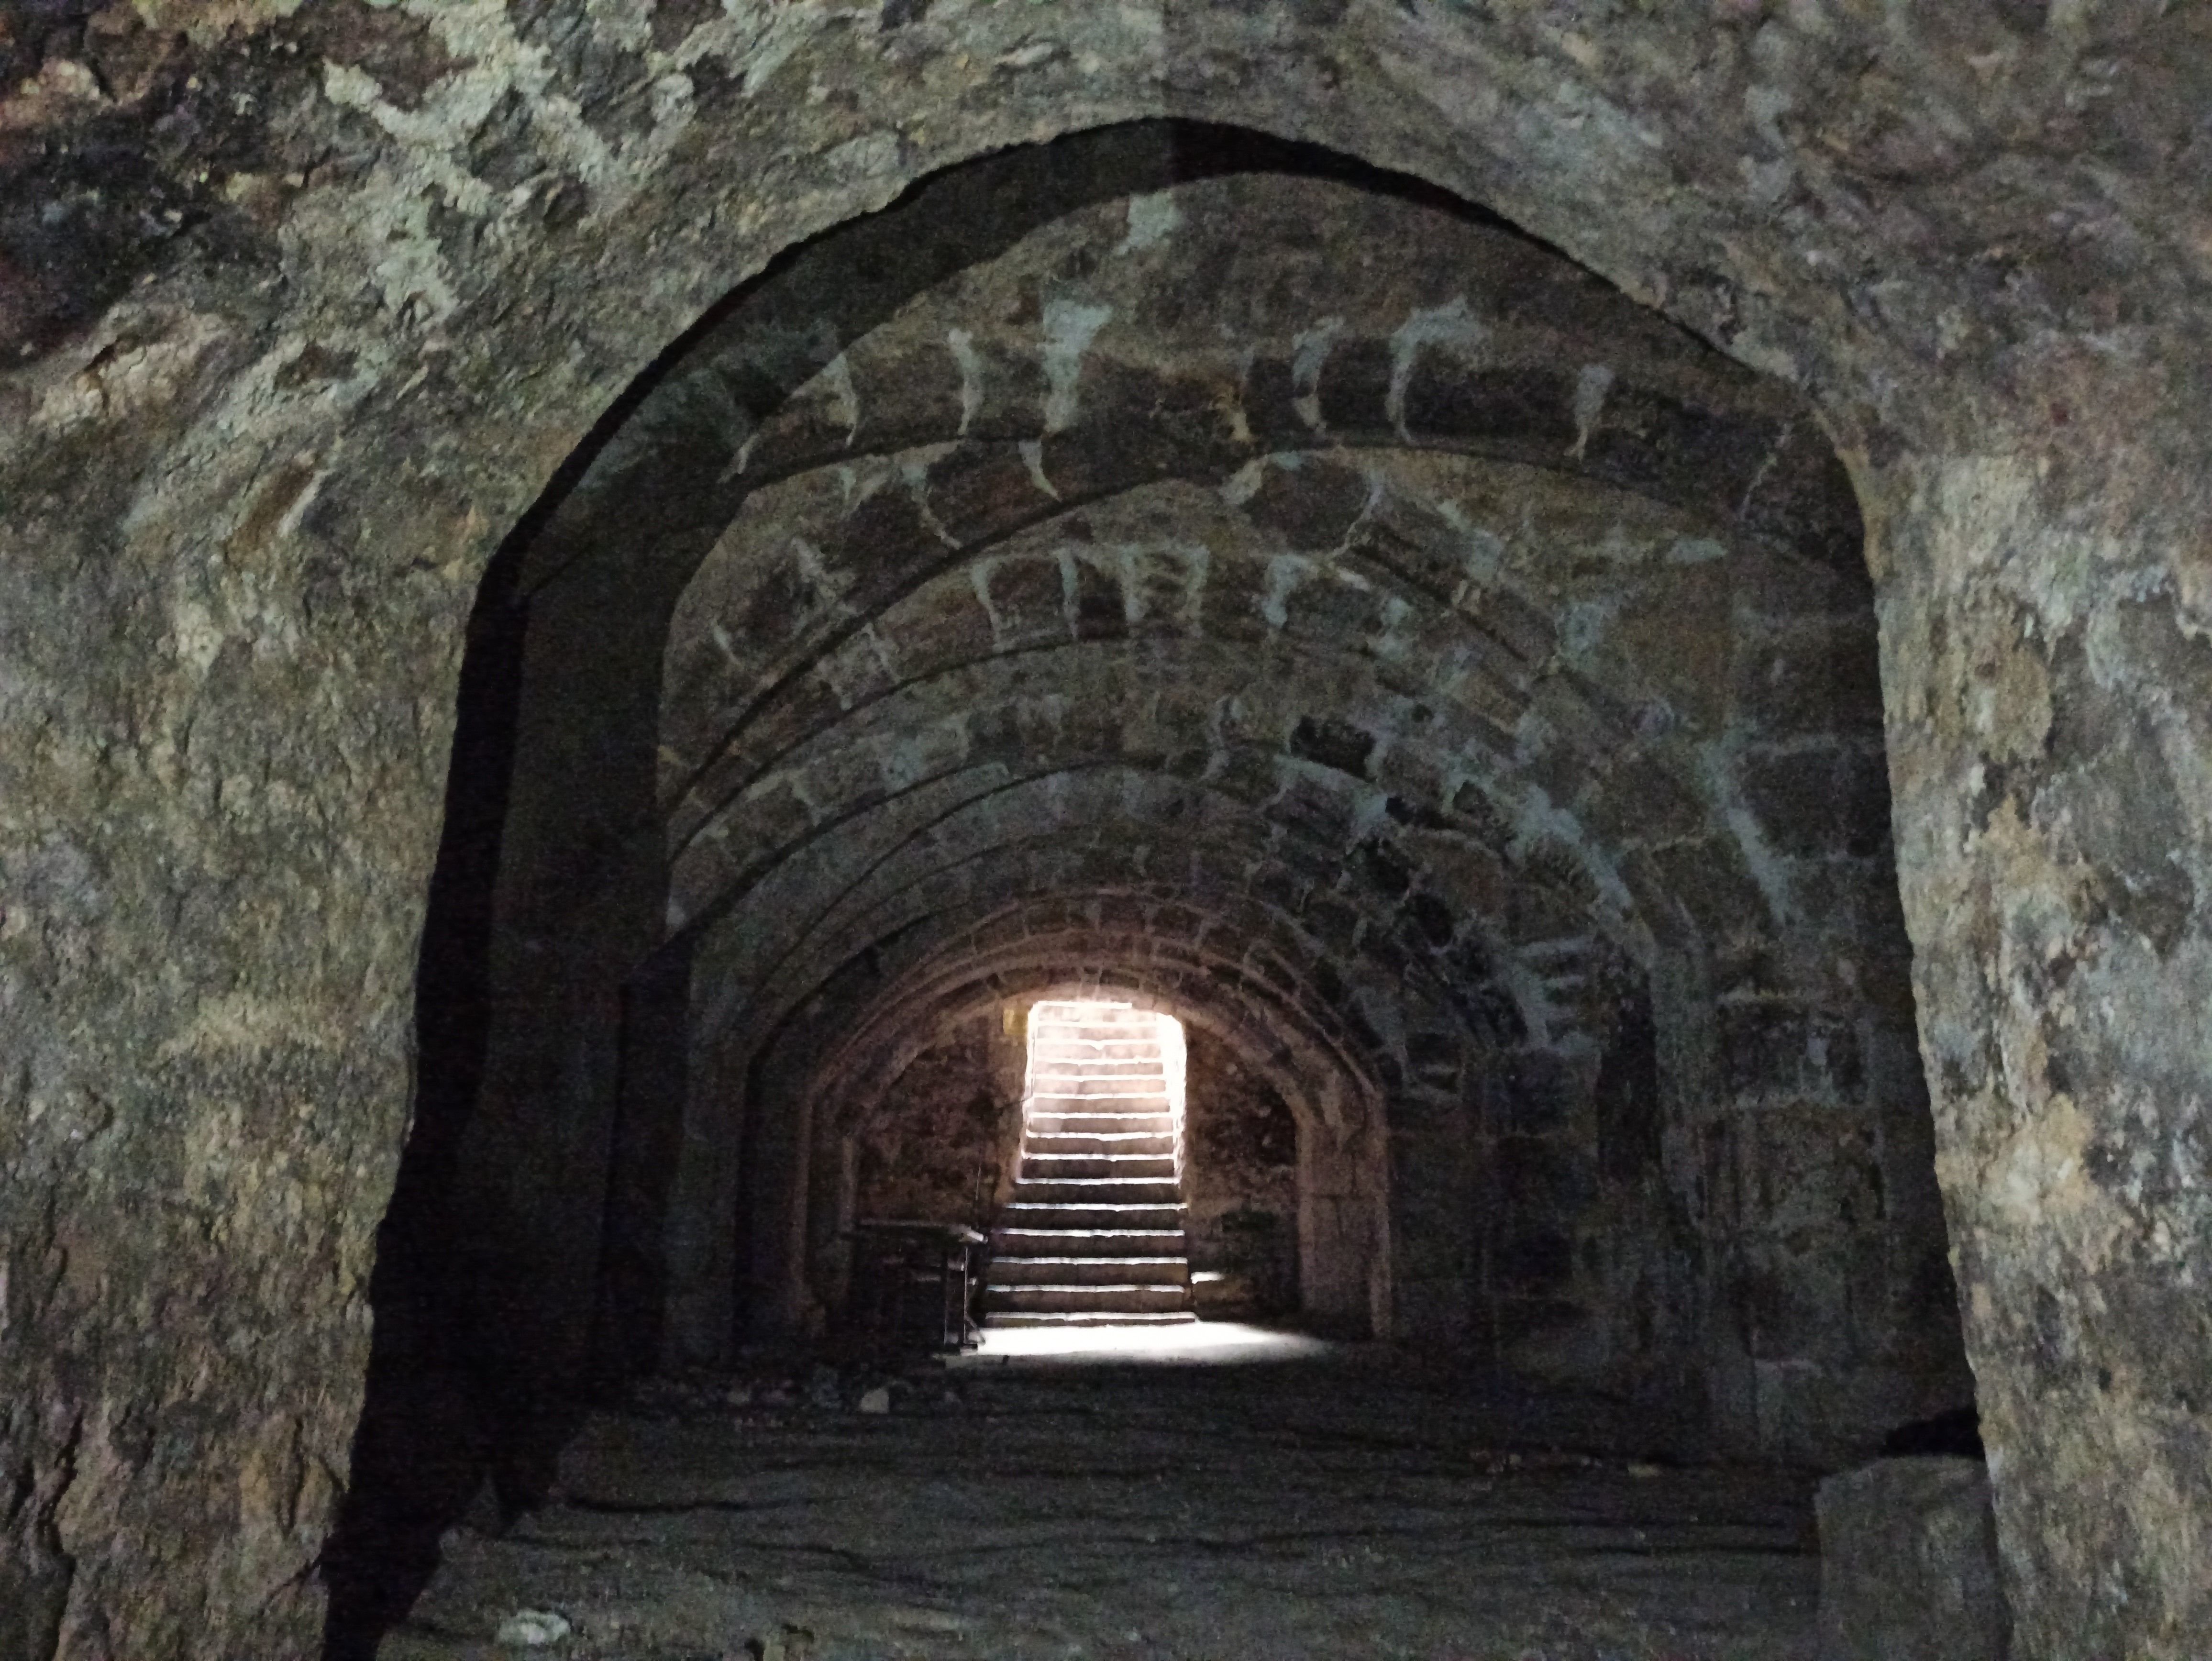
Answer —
1795 1308
1532 1093
1312 505
1770 1049
1909 1564
1810 1172
1812 681
1520 1318
1544 1177
1820 802
1707 878
1337 745
1533 1260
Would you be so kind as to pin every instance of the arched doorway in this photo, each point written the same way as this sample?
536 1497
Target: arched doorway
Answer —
1466 676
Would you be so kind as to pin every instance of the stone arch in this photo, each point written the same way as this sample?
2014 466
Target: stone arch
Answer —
1148 947
609 925
761 395
1343 1217
1991 279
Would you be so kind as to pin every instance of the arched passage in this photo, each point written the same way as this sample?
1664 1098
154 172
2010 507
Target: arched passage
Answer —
1427 658
1928 246
1341 1218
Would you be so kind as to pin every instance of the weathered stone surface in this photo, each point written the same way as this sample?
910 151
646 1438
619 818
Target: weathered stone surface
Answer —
942 1143
305 307
1242 1167
1909 1564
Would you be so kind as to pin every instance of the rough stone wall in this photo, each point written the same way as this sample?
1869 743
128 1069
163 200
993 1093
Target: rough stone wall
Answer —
1341 1239
410 261
1240 1180
1024 721
955 1109
942 1145
1588 1262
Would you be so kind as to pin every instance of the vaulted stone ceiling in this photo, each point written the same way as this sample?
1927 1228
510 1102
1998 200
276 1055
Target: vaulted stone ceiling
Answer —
1358 571
304 306
1178 562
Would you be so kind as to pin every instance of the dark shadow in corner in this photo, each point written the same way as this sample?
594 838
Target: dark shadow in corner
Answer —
420 1452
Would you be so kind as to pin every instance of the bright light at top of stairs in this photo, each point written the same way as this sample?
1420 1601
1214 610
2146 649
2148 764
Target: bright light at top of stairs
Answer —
1165 1029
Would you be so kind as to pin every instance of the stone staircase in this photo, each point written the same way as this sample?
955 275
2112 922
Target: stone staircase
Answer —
1094 1235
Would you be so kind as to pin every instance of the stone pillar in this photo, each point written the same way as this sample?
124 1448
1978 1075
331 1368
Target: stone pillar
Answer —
2046 636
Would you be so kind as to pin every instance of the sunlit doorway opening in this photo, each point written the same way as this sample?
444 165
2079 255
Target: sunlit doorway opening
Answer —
1095 1234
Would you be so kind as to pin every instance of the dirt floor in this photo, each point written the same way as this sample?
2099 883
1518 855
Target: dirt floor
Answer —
1232 1496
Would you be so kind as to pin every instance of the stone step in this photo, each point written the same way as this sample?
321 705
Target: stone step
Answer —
1091 1271
1064 1086
1111 1044
1072 1051
1086 1090
1095 1234
1151 1089
1103 1060
1042 1318
1051 1086
1046 1108
1039 1139
1064 1167
1111 1115
1100 1141
1098 1190
1073 1298
1121 1129
1047 1241
1084 1099
1087 1215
